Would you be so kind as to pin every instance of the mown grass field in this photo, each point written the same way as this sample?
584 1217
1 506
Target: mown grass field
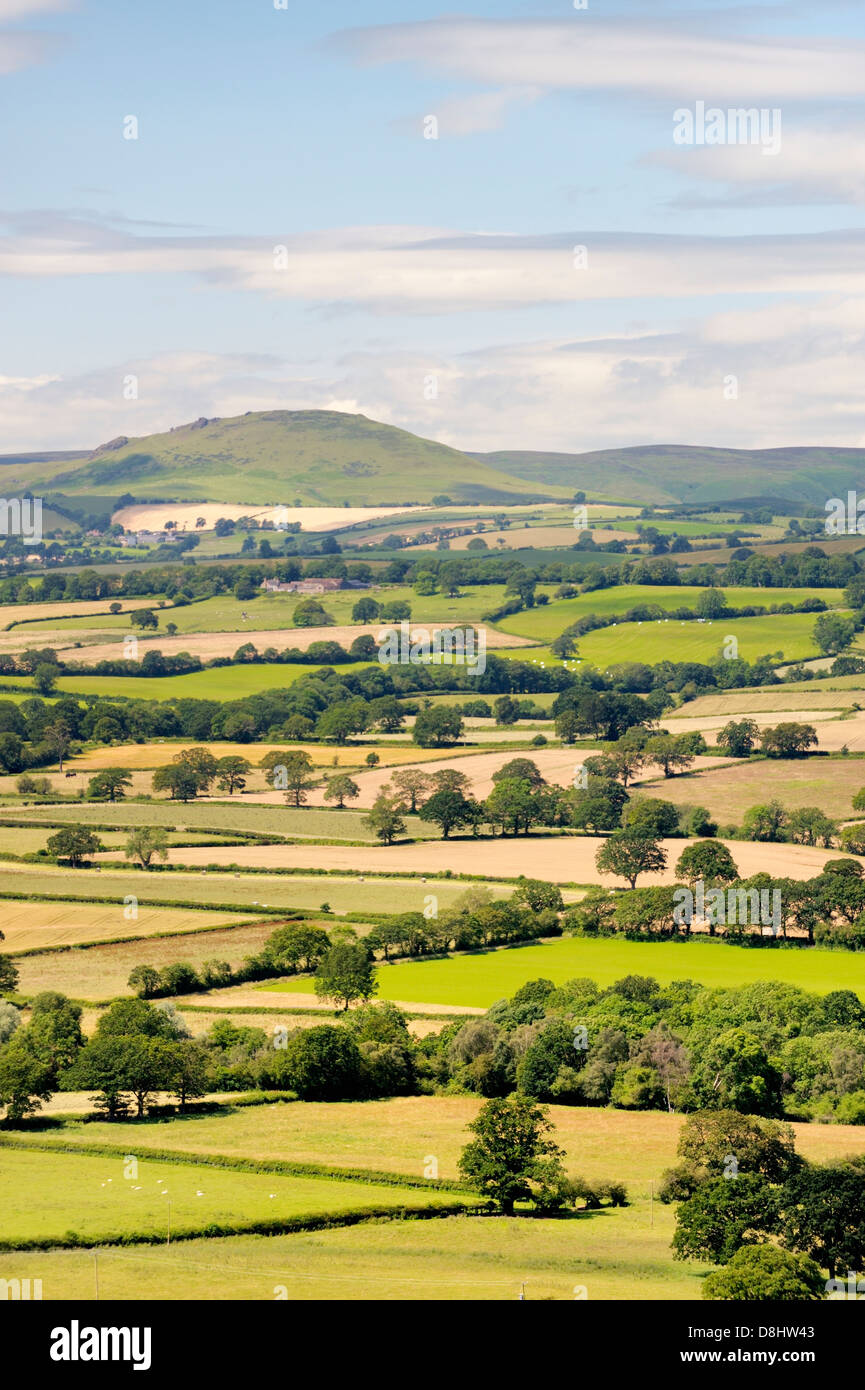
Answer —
28 925
606 1255
728 791
47 1195
629 1146
478 980
672 640
344 893
544 623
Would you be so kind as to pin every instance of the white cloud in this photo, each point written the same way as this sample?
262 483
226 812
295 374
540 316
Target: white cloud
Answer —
665 59
428 271
799 370
812 166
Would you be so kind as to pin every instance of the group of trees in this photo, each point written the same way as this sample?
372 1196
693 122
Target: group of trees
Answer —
769 1050
742 1187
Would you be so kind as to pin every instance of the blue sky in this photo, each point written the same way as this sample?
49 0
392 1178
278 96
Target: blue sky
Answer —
408 259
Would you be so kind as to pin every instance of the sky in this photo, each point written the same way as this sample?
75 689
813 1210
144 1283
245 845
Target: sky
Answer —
496 227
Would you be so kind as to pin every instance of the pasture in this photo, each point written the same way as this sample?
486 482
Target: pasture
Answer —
393 893
786 637
545 623
49 1196
478 979
611 1254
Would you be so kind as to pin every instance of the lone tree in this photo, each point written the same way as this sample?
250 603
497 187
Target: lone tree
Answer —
413 785
833 633
345 974
290 772
58 738
738 737
231 773
510 1151
385 818
145 844
627 854
74 844
341 788
110 784
181 782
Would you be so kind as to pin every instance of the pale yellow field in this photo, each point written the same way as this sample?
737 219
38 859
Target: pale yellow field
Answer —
21 612
556 765
783 703
210 644
558 859
519 537
833 734
153 755
152 516
30 924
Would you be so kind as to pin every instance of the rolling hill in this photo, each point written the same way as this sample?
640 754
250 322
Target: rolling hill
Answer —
322 457
669 473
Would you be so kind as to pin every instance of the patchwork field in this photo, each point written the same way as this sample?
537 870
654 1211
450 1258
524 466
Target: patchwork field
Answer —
627 1146
101 972
729 791
556 858
49 1196
28 925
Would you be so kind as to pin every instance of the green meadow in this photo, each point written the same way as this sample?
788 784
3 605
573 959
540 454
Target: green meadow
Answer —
479 979
787 637
545 623
48 1196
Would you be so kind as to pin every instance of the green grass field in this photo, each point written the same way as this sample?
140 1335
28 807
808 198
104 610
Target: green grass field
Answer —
606 1255
244 891
478 980
224 683
545 623
276 611
672 640
306 822
47 1195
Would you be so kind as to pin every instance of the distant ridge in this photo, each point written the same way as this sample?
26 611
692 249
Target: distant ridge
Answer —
684 473
331 458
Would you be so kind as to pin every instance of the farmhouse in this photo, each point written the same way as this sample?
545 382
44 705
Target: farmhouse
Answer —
309 586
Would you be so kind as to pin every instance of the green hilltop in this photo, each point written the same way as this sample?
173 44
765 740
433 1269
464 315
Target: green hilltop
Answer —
322 457
670 473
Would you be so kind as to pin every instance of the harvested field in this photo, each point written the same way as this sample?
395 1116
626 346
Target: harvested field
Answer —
728 792
152 516
27 925
833 733
558 859
212 644
101 972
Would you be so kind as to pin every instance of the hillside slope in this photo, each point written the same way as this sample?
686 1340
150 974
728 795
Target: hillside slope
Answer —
684 473
318 456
